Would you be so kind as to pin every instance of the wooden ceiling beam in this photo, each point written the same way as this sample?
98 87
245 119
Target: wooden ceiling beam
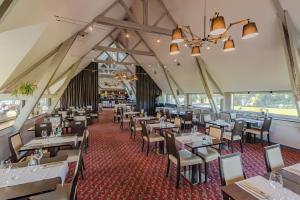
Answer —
121 50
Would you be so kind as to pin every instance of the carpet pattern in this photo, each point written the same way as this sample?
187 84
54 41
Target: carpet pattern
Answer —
117 169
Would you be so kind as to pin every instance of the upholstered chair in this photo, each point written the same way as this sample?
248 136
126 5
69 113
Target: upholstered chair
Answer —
273 158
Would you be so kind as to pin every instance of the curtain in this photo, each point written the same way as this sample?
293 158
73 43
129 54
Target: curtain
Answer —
83 89
146 91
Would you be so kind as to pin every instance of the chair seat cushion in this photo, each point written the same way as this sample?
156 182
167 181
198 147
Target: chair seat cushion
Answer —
186 158
126 120
227 136
187 122
71 153
154 138
256 131
61 193
138 128
208 154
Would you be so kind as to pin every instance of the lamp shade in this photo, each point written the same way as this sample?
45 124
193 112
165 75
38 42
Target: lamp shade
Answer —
177 35
195 51
174 49
217 25
249 30
229 45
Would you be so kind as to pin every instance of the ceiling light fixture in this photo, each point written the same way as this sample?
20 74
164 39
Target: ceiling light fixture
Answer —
218 32
158 41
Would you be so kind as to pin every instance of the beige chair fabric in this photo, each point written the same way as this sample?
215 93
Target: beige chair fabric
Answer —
227 136
154 138
186 158
16 142
215 132
232 169
208 154
274 158
81 118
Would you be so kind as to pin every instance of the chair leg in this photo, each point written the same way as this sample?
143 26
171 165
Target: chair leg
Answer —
262 139
81 172
82 163
168 167
148 147
269 143
231 146
178 176
143 143
206 171
200 173
241 145
134 133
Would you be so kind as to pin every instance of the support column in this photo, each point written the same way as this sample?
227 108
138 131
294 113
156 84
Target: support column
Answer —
288 34
44 82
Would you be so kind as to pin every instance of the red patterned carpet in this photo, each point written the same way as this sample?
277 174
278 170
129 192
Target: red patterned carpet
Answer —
117 169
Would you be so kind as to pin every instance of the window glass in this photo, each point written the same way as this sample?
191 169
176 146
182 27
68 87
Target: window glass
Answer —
41 107
9 110
201 100
277 103
181 99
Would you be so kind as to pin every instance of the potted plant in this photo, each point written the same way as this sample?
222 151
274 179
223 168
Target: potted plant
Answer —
25 89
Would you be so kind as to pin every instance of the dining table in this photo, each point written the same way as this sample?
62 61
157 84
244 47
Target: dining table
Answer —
259 187
148 118
129 113
193 142
50 143
222 124
22 181
160 127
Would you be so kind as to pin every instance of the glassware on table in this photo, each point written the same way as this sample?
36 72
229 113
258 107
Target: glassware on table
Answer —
195 129
38 154
276 180
7 166
32 164
44 134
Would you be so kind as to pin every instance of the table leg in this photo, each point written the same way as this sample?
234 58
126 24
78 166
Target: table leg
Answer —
161 143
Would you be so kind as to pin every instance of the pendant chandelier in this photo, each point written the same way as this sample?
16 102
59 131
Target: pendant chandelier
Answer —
218 31
120 76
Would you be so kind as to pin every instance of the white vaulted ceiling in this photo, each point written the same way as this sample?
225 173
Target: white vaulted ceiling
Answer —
256 64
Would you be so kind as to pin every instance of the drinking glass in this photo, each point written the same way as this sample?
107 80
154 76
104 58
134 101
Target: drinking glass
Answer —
8 166
275 180
44 134
195 129
38 154
32 164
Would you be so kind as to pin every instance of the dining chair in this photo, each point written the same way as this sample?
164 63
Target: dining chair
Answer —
235 135
209 154
81 118
66 191
273 158
75 154
134 127
78 128
118 113
181 158
158 115
177 122
123 120
187 119
168 116
206 118
150 138
231 169
15 143
44 126
264 130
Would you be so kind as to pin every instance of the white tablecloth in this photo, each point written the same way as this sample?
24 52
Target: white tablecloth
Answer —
263 185
28 175
166 125
295 169
52 140
198 137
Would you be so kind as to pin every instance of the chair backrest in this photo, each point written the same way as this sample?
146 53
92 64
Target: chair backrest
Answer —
77 127
39 127
215 132
89 107
171 146
168 116
158 115
225 116
144 130
15 143
73 191
80 118
188 116
231 168
132 121
273 158
267 124
63 113
177 122
238 128
55 120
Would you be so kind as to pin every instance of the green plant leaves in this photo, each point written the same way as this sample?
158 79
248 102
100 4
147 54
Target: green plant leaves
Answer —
24 89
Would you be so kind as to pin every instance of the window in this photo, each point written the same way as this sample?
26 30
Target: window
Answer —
9 110
276 103
41 107
201 100
181 99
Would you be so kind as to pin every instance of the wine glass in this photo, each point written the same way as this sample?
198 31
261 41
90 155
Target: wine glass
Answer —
38 154
32 164
44 134
195 129
275 180
7 165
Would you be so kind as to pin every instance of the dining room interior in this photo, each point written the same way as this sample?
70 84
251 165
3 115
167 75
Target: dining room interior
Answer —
150 99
